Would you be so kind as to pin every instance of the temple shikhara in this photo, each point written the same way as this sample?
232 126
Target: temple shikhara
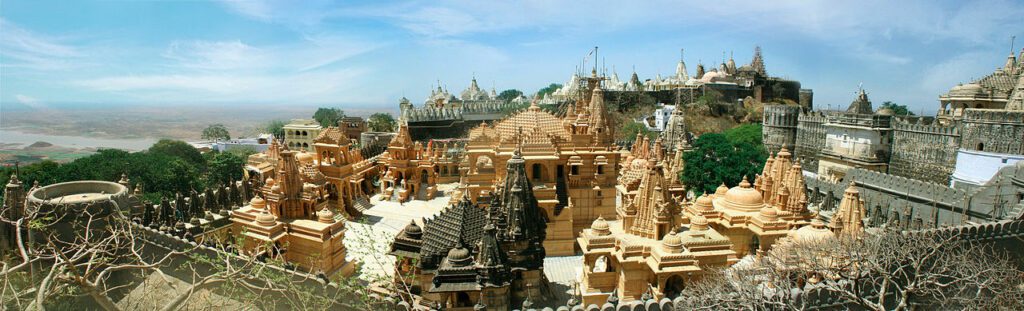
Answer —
571 162
481 257
299 211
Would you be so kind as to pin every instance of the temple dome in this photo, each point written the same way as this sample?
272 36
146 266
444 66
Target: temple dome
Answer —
459 256
768 212
600 226
266 219
815 232
970 89
413 231
698 223
258 202
721 190
744 197
672 243
703 203
304 157
325 216
270 182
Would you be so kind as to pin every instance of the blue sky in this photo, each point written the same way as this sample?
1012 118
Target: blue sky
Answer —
368 55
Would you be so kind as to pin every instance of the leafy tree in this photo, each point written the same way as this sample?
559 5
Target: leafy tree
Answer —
382 122
715 160
216 132
899 110
629 131
510 94
178 149
328 116
548 89
745 134
276 128
225 167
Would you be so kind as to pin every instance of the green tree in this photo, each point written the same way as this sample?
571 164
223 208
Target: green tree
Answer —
510 94
225 167
745 134
551 88
629 131
899 110
178 149
216 132
328 116
382 122
276 128
715 159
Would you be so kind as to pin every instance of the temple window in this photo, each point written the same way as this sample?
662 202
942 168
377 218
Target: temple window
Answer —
537 171
574 170
600 169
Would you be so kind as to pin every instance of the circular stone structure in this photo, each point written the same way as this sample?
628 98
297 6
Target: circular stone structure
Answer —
99 198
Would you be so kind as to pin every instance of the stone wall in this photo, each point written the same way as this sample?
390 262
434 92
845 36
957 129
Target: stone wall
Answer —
989 130
913 204
779 126
810 139
924 151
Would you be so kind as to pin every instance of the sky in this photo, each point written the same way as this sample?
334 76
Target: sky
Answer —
367 55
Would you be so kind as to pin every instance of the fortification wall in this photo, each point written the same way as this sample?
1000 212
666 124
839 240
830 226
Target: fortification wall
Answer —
924 152
990 130
779 126
914 204
810 139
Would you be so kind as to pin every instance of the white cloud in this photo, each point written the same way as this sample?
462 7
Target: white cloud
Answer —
29 101
23 48
214 55
961 68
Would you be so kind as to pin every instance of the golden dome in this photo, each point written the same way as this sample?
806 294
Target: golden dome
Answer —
266 219
325 216
815 232
698 223
600 226
721 190
269 182
744 197
304 157
275 188
257 202
703 203
672 243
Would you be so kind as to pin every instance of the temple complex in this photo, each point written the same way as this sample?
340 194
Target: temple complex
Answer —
291 217
444 116
411 172
571 162
302 199
471 257
660 240
977 130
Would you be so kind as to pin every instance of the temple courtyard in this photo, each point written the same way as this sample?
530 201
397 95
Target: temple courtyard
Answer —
368 240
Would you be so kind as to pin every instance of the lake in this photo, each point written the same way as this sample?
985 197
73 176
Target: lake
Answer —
16 137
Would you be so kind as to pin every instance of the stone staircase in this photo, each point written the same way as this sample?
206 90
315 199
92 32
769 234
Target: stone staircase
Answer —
361 204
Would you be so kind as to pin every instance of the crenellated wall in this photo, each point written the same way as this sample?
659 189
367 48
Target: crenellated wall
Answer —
914 204
990 130
924 151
